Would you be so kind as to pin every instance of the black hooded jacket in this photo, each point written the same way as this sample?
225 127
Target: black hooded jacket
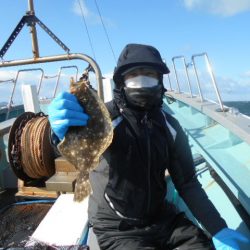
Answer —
144 146
138 159
131 175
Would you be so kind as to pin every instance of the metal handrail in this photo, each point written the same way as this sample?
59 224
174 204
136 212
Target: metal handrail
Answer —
170 84
197 79
186 73
5 81
14 86
210 71
63 57
45 77
175 73
40 82
59 75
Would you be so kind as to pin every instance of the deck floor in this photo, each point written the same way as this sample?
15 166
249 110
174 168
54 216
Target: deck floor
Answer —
18 222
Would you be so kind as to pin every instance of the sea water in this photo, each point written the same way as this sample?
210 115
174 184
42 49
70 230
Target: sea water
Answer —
243 106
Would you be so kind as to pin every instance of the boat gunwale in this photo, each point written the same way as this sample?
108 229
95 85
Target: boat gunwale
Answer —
238 124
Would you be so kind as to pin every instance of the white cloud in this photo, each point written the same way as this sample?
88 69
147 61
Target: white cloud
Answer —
108 75
6 87
24 77
230 89
246 74
33 78
78 10
219 7
7 75
89 15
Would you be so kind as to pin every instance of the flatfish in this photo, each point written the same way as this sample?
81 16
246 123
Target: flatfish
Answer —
83 145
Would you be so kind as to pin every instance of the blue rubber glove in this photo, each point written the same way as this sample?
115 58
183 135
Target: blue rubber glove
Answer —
65 111
228 239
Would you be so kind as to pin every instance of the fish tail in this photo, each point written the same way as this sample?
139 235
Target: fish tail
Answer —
83 187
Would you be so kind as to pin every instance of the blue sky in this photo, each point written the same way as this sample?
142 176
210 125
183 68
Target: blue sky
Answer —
180 27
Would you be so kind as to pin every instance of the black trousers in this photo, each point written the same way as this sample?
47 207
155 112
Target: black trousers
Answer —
168 231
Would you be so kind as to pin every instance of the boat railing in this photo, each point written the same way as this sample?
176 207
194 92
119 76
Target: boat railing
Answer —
4 105
40 83
197 77
15 84
6 81
57 58
59 76
186 73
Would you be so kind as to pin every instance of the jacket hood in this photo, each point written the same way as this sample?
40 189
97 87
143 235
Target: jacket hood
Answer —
134 55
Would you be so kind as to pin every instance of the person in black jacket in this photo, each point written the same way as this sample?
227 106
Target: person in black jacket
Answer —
127 208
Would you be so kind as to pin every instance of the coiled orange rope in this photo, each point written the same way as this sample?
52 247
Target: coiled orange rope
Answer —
36 159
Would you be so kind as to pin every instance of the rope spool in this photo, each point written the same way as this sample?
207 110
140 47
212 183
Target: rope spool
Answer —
30 152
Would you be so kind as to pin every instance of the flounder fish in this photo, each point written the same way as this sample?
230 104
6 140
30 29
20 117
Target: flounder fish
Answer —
82 146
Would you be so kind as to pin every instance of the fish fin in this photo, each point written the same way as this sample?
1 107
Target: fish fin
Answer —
83 187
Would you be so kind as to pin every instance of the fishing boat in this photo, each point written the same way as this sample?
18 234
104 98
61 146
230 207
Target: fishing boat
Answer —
219 137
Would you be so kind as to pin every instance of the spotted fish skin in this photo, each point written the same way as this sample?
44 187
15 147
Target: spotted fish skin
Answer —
83 145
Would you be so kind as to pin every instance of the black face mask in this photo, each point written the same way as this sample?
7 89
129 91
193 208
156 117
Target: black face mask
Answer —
144 98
